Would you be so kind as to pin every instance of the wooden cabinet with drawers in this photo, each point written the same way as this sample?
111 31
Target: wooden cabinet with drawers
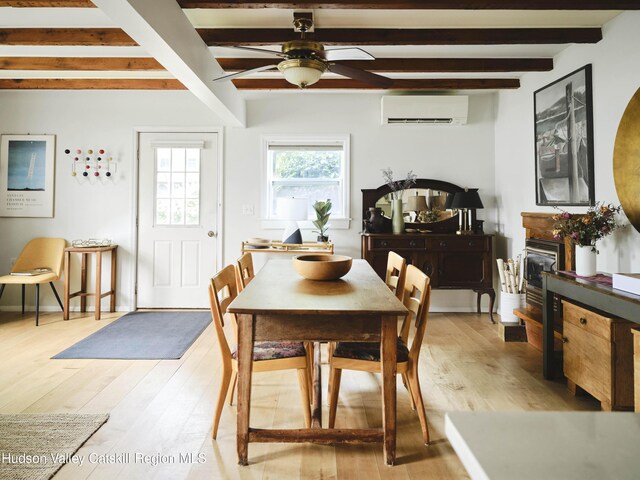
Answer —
451 261
598 356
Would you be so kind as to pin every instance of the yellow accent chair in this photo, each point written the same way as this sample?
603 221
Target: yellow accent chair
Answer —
39 253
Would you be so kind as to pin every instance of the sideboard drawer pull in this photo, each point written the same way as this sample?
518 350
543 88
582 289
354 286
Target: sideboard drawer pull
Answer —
443 244
565 340
583 321
384 243
412 243
471 244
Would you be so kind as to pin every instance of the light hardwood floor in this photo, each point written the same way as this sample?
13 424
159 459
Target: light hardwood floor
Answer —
165 407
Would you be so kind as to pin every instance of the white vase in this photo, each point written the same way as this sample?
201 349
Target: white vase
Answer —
397 216
585 261
509 302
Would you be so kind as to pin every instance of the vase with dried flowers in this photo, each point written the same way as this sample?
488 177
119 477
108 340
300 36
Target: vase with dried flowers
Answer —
584 230
397 189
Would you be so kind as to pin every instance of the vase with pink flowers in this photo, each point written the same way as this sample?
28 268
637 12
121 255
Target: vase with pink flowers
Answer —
584 230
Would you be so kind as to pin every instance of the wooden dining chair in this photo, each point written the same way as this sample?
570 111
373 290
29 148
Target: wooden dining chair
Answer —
38 253
396 272
244 274
244 270
267 356
394 278
365 356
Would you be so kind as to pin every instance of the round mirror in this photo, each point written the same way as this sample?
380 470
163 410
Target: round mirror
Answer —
626 158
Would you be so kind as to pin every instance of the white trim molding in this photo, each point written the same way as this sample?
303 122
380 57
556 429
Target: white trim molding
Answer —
340 221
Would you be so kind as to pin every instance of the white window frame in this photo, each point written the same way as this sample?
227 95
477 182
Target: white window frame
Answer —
337 221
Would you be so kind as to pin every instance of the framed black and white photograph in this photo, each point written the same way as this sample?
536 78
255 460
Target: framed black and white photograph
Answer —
564 141
27 175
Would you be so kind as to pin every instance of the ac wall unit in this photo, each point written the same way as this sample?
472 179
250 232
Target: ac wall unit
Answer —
425 109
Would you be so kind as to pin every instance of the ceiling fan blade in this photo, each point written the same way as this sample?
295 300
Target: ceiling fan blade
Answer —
347 54
361 75
245 72
261 50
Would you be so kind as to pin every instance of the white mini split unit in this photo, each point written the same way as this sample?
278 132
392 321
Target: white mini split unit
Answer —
425 109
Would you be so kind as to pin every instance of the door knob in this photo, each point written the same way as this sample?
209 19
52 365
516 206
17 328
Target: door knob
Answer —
211 233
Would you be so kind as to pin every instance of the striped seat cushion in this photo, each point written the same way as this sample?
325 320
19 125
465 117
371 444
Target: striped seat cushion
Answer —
368 351
275 350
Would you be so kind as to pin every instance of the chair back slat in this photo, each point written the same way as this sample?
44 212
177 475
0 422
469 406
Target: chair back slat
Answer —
244 271
41 253
222 291
395 274
417 298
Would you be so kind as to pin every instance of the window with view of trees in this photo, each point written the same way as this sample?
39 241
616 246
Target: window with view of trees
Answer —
308 169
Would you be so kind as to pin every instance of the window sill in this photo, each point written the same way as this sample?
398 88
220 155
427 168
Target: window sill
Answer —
334 224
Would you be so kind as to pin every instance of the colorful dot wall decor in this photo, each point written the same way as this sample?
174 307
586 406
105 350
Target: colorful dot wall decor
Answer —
95 164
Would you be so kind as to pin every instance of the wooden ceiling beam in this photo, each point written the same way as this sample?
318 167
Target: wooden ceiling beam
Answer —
80 63
113 37
406 36
418 84
90 84
369 4
432 65
47 3
425 4
328 36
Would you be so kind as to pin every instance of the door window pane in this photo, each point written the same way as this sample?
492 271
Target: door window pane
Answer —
177 186
177 159
164 159
193 160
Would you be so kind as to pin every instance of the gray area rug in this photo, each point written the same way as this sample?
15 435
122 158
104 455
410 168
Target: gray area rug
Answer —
35 446
142 336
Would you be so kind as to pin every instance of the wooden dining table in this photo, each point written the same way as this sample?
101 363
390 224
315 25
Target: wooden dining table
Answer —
280 305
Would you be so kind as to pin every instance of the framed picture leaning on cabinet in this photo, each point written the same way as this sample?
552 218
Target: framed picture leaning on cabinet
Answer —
564 141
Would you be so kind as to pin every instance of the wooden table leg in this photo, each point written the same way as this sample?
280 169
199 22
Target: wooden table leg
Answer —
114 264
316 402
83 282
388 354
548 367
98 283
67 286
245 365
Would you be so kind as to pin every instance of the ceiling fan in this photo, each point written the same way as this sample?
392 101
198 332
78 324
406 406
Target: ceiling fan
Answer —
304 61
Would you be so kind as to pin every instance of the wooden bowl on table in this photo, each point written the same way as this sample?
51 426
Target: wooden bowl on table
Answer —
322 267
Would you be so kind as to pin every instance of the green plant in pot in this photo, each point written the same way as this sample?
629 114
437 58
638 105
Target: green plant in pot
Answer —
323 211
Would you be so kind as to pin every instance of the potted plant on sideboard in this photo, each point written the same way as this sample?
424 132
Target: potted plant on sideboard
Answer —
323 211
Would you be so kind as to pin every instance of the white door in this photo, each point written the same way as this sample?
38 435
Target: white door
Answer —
177 219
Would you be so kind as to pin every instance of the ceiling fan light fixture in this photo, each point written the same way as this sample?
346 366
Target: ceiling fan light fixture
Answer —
302 72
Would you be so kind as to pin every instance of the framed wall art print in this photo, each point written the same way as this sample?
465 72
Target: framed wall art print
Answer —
27 175
564 141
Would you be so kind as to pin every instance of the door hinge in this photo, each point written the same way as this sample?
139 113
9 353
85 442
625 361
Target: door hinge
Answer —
135 289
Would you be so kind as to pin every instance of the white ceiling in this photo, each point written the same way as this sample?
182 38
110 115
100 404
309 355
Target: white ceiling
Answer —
253 18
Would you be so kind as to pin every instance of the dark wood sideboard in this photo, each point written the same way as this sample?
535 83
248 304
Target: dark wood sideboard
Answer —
454 262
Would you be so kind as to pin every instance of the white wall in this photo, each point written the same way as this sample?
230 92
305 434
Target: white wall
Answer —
87 119
461 155
616 77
